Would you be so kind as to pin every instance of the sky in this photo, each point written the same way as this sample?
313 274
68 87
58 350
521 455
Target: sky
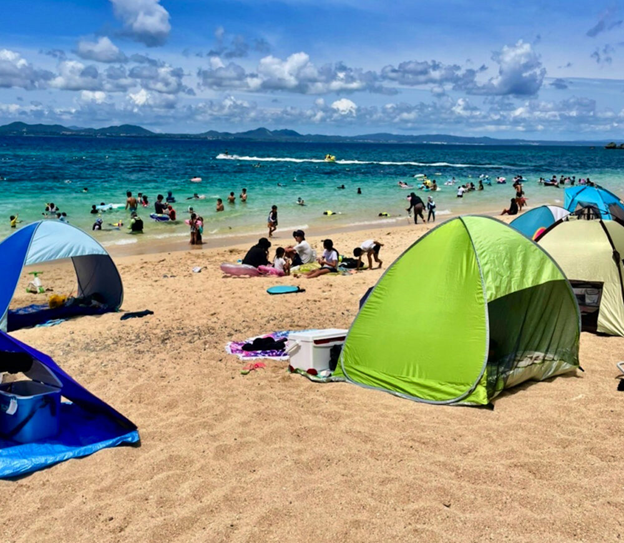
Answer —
545 69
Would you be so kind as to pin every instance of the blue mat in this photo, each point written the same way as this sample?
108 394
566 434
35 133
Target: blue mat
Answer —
87 423
82 434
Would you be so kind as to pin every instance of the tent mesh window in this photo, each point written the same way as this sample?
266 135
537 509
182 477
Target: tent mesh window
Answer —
527 328
588 295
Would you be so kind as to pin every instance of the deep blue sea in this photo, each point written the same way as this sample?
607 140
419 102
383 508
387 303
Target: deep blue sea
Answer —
35 171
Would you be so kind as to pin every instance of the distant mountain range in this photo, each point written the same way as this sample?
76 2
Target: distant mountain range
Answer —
264 134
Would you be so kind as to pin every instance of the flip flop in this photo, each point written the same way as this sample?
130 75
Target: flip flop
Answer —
248 368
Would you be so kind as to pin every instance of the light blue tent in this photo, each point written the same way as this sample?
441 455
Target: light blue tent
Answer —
86 423
536 220
45 241
594 199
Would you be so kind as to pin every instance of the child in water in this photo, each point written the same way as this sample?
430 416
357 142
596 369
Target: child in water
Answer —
272 221
220 205
231 198
14 221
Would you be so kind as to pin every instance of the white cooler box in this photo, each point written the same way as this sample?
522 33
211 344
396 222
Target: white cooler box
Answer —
311 349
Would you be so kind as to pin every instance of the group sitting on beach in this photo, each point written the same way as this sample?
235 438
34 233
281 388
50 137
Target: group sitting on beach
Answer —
302 259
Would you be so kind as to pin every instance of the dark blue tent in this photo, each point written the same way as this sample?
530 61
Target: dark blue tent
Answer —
87 424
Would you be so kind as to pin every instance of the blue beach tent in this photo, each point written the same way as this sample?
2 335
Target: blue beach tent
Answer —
606 203
45 241
536 220
86 423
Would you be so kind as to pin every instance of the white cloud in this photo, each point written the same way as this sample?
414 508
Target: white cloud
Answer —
295 74
520 73
74 75
145 21
151 100
15 71
344 106
102 50
92 97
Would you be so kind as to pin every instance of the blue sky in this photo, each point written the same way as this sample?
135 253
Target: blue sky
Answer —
503 69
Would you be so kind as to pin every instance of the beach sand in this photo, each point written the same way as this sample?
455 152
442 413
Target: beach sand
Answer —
274 457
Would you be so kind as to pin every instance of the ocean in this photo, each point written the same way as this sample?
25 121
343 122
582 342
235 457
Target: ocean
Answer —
35 171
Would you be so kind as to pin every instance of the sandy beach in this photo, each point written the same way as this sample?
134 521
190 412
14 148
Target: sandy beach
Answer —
274 457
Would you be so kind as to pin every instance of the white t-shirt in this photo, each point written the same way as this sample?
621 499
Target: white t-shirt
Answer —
305 252
279 264
331 255
368 245
460 191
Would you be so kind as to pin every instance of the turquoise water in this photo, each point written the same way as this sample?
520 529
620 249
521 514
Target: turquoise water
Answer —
34 171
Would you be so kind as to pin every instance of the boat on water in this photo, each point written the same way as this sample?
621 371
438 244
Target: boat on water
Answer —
330 158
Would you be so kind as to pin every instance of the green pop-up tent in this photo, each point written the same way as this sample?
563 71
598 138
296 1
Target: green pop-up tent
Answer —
471 308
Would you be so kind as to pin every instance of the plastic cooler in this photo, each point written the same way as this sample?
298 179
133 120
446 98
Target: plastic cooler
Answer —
29 411
310 350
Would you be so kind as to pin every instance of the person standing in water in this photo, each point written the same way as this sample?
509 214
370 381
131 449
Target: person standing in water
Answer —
131 202
431 206
243 195
418 206
231 198
220 205
272 221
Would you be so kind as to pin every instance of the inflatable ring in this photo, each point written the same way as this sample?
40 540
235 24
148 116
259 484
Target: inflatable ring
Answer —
239 270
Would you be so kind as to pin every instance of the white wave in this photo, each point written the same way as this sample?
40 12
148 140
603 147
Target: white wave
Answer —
444 212
120 242
380 221
381 162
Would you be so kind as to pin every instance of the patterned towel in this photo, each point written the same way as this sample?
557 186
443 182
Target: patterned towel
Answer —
236 348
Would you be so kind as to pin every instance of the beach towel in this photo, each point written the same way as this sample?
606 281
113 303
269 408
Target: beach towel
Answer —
236 347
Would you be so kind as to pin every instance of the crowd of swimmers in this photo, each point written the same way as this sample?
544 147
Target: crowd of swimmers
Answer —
301 253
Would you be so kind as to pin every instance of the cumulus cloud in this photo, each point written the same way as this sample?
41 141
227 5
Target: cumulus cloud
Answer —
92 97
101 50
163 79
414 73
608 21
145 21
295 74
344 106
520 73
74 75
153 100
15 71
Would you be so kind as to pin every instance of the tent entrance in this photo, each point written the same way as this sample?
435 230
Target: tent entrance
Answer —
588 295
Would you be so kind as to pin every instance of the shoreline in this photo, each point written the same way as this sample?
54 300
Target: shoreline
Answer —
155 246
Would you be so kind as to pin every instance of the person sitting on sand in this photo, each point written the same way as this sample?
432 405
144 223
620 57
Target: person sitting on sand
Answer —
231 198
371 249
243 195
328 262
280 262
136 224
160 206
220 206
258 255
301 252
513 208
